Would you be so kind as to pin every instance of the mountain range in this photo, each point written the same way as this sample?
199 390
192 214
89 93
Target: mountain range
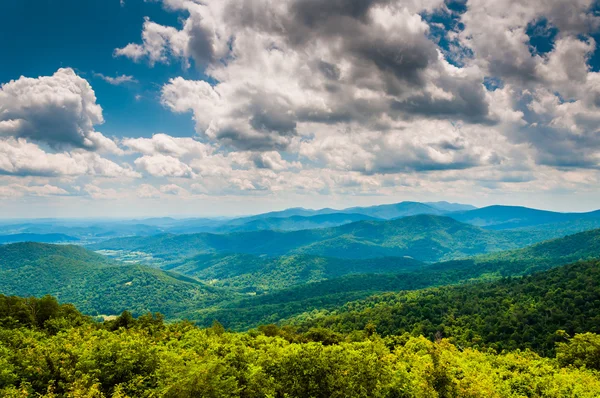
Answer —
426 238
244 290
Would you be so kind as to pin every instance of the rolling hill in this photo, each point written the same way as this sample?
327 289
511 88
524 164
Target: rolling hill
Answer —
507 217
251 273
508 314
426 238
41 238
295 223
328 294
96 284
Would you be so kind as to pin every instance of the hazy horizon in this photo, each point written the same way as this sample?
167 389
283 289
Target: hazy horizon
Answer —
236 215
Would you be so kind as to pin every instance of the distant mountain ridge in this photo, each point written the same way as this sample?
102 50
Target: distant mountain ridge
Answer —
289 219
42 238
427 238
508 217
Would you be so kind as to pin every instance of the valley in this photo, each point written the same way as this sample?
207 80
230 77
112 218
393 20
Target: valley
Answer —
500 280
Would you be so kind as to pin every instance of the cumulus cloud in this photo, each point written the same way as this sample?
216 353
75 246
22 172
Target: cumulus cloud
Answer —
117 80
365 86
163 166
21 158
147 191
167 145
59 110
340 96
96 192
281 65
19 190
172 189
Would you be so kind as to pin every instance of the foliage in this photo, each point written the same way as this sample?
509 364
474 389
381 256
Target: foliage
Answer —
145 358
583 350
506 314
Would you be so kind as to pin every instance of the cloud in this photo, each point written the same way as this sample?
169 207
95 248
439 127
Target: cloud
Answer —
423 147
167 145
99 193
59 110
172 189
335 97
163 166
21 158
117 80
19 190
147 191
272 161
159 42
279 66
292 75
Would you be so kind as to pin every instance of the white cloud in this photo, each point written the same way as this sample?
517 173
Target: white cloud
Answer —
167 145
59 110
147 191
96 192
117 80
159 42
172 189
19 190
21 158
335 98
163 166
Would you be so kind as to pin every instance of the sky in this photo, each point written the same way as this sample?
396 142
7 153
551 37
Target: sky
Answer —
116 108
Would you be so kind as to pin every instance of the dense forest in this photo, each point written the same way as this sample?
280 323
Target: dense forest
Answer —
51 350
508 314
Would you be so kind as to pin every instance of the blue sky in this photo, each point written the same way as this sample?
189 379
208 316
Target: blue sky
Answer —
220 107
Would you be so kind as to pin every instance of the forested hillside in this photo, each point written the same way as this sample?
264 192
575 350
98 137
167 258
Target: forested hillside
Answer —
42 238
243 290
147 358
97 285
328 294
253 273
424 237
505 315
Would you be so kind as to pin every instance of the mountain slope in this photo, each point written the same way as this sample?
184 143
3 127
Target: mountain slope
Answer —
505 217
505 315
260 274
95 284
396 210
450 207
424 237
329 294
41 238
295 223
